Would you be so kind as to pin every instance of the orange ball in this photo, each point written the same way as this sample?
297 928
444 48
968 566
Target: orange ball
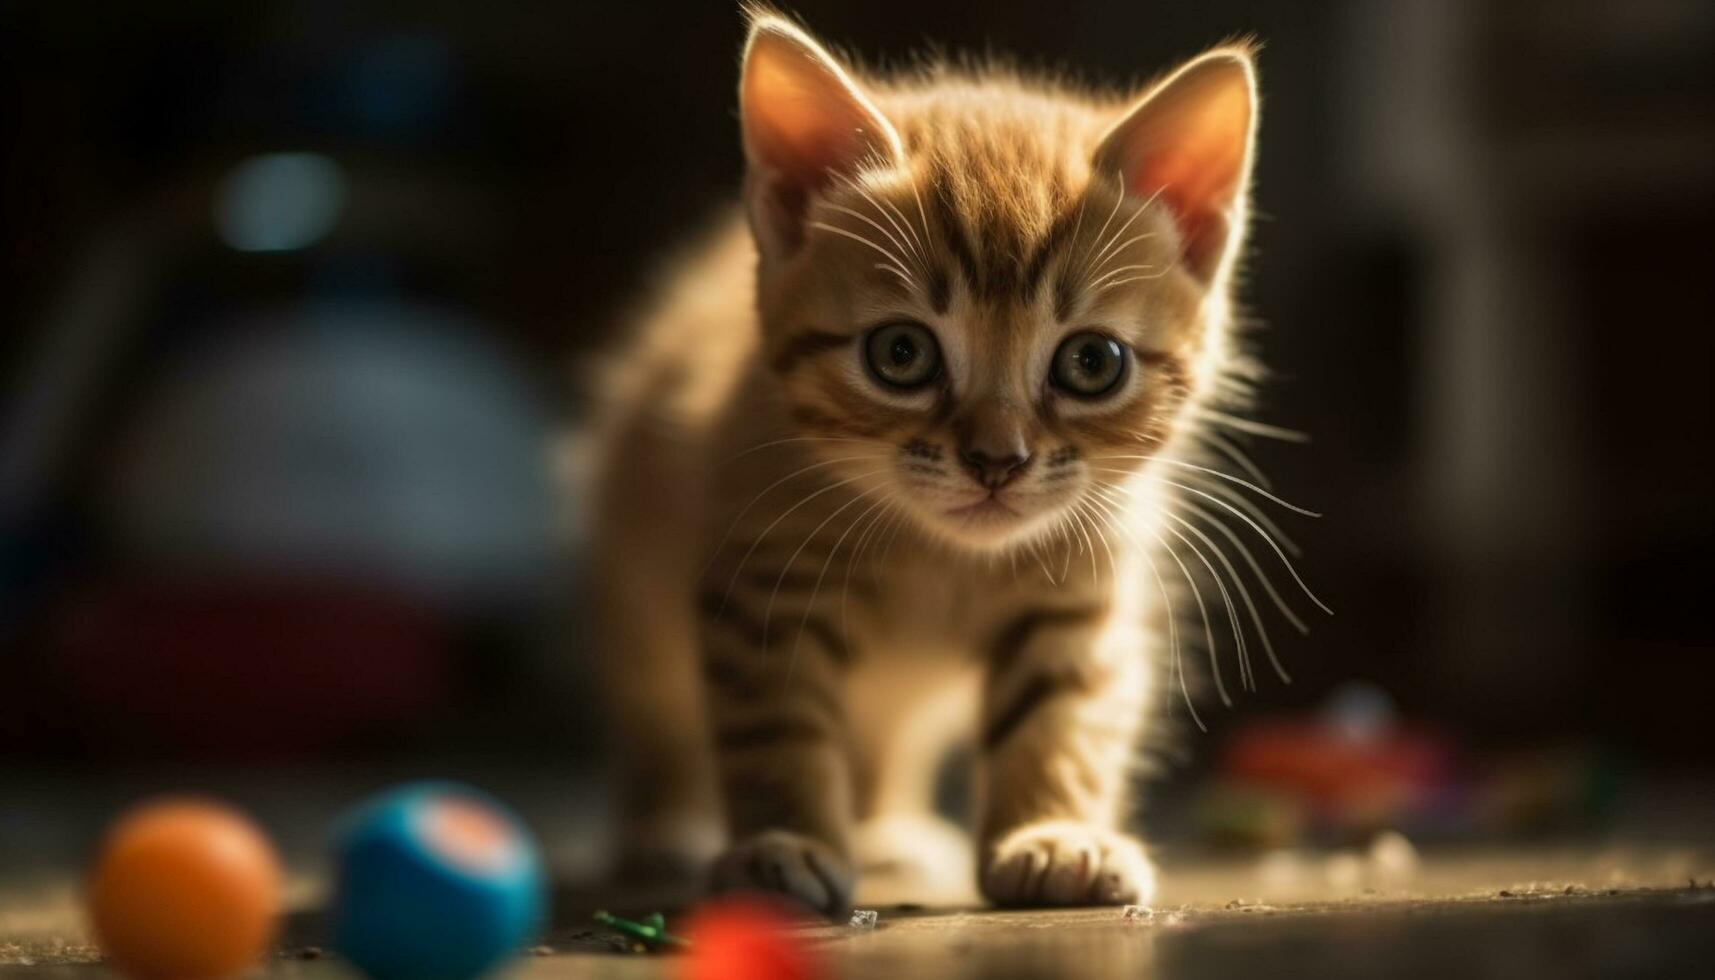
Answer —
184 889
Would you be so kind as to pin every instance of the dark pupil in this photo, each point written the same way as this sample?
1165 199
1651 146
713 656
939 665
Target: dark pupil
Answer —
1091 358
902 351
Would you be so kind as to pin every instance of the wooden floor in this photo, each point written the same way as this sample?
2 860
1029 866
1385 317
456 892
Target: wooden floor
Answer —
1642 910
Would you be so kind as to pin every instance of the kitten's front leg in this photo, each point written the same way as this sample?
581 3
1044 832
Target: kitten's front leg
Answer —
784 759
1063 707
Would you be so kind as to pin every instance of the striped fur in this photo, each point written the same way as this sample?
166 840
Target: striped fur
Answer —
805 594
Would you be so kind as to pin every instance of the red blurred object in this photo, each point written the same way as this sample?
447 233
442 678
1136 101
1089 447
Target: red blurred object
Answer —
745 939
1341 776
236 668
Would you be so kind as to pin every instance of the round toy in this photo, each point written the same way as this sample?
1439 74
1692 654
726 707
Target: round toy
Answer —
436 881
184 889
745 939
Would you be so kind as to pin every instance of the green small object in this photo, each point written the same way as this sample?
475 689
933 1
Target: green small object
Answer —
651 932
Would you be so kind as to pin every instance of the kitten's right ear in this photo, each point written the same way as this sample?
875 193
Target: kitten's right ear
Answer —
806 122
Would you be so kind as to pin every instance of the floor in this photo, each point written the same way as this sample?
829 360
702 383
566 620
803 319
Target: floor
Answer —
1599 910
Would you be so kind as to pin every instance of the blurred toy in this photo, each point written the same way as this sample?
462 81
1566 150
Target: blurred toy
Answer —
184 889
650 934
864 919
745 939
1344 774
436 881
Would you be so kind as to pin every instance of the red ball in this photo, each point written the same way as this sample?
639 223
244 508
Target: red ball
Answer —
745 939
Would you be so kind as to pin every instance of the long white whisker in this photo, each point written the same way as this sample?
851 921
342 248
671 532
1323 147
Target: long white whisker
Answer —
1218 475
716 553
1232 613
1255 510
816 590
1110 249
862 544
1232 451
1253 427
779 442
854 236
768 611
903 226
1258 529
1101 234
1121 270
727 596
1250 559
1172 619
904 250
1203 611
1244 593
1245 673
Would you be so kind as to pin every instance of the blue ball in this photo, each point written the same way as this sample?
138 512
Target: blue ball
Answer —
436 881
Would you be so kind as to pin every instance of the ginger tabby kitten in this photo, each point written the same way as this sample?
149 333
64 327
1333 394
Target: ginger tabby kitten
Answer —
887 465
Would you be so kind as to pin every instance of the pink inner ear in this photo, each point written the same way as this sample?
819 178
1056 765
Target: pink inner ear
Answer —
801 122
1194 164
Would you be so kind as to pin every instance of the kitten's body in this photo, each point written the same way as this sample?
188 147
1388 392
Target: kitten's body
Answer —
812 579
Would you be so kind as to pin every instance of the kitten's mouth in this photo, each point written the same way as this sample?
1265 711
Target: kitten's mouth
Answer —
987 510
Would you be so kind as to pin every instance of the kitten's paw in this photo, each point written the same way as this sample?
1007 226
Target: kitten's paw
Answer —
1061 862
794 865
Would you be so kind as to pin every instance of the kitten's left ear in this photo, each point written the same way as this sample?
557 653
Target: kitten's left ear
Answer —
1188 144
806 122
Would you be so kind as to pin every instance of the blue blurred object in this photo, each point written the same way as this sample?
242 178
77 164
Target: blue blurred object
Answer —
436 881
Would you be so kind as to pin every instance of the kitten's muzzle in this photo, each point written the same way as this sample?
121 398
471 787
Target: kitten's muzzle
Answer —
994 472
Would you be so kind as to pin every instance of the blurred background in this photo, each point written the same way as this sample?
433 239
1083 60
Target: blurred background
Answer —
294 294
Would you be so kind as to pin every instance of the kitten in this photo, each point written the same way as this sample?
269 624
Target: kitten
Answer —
884 469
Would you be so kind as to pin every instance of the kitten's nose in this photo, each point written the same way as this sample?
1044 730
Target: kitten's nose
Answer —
995 471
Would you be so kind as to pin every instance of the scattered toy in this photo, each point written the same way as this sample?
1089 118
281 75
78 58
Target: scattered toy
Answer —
745 939
435 881
184 889
865 918
648 935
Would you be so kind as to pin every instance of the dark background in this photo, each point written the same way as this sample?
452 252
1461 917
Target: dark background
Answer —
296 506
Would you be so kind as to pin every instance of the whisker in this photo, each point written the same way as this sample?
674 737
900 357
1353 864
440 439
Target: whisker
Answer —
1253 427
1232 613
778 442
1244 594
865 538
1232 610
902 225
1131 279
1203 611
1101 234
1250 559
866 219
1110 249
816 590
768 611
1255 510
1258 529
1172 621
727 596
854 236
1219 475
1232 451
721 546
1118 271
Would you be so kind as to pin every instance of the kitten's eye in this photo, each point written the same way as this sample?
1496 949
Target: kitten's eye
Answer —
1088 364
903 354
